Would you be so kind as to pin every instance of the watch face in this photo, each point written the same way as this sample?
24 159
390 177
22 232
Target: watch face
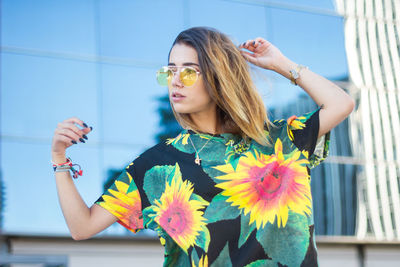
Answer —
294 73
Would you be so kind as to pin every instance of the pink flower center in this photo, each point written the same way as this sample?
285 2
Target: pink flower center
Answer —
270 180
136 218
173 220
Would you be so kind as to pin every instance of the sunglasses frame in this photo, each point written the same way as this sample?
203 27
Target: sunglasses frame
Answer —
179 70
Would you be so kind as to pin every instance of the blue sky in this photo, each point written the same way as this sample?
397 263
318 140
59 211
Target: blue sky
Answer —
97 60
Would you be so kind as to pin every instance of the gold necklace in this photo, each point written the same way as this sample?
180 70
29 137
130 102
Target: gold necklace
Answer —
198 159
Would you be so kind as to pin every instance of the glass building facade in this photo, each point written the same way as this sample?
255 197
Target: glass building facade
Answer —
97 59
372 34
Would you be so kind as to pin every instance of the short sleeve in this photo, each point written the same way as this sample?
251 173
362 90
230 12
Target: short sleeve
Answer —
123 200
303 132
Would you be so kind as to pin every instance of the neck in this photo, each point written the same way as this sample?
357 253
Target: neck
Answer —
206 122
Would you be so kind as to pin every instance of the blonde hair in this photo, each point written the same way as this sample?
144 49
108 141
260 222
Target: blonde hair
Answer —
240 109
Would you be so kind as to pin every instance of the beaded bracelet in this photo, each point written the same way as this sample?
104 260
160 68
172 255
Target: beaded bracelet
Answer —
68 166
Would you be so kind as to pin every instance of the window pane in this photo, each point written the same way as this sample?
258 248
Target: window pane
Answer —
243 22
38 92
320 46
130 105
323 4
31 196
66 26
142 30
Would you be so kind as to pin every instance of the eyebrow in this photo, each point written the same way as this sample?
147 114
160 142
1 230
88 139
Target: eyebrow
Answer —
185 64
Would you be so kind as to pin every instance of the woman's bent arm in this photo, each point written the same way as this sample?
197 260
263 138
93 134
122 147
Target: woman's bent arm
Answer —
83 222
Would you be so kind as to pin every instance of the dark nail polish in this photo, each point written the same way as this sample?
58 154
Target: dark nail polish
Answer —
84 124
84 136
244 43
91 128
74 142
80 139
254 42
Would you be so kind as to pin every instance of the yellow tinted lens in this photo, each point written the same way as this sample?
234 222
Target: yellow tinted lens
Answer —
188 76
163 76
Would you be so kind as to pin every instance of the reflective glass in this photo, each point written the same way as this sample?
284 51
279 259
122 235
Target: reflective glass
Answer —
62 26
38 92
130 105
139 30
241 21
31 197
316 41
322 4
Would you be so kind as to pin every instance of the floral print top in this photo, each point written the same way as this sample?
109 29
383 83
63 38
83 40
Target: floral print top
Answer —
244 205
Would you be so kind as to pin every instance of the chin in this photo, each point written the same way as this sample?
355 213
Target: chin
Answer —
182 109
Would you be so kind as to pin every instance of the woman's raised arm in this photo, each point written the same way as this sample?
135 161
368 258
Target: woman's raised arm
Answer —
336 104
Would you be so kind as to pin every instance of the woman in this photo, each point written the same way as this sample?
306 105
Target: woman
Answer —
233 188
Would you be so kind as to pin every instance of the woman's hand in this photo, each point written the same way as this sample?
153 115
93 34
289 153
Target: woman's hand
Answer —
66 134
263 53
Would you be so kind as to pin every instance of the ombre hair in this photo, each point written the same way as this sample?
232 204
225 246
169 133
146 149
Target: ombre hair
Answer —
226 75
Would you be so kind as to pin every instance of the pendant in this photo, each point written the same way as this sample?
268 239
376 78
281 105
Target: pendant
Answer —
197 160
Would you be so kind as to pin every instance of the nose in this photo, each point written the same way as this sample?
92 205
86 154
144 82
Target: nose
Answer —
176 80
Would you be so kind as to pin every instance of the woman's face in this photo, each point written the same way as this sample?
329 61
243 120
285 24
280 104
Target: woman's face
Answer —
190 100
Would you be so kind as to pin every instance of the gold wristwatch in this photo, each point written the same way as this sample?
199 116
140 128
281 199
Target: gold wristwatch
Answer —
294 73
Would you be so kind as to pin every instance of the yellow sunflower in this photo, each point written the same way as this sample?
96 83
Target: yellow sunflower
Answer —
126 206
184 137
180 216
180 136
267 186
203 262
294 123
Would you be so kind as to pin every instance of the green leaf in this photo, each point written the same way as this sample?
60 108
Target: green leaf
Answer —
245 229
219 209
154 181
224 258
287 245
195 257
234 163
212 172
261 263
148 218
203 239
174 250
198 198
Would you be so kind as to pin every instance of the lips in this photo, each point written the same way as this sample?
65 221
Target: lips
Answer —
176 97
176 94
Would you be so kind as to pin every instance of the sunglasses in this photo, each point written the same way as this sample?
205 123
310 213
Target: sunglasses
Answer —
187 75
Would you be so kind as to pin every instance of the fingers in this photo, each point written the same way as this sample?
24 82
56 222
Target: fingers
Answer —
261 41
68 133
77 121
249 45
249 57
65 139
71 135
253 44
69 129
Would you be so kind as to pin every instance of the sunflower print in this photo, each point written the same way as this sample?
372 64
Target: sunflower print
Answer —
203 262
183 137
250 205
179 215
124 202
267 186
294 123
